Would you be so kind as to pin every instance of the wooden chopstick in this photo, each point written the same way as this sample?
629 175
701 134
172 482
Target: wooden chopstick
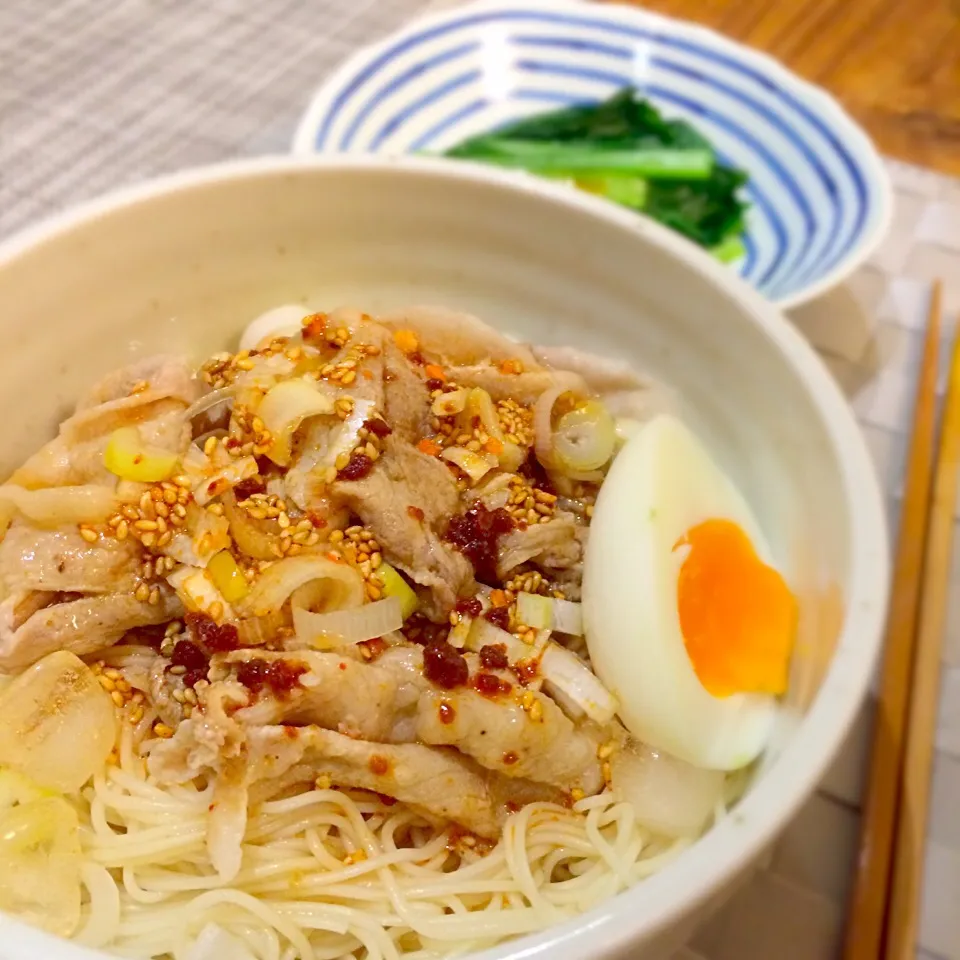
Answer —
910 842
865 921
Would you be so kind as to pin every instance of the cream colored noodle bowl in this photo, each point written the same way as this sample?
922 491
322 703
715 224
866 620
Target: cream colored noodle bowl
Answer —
403 561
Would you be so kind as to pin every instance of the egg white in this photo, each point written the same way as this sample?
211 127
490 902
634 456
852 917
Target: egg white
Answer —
662 483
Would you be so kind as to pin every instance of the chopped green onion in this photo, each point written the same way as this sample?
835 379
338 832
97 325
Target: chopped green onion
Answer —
395 586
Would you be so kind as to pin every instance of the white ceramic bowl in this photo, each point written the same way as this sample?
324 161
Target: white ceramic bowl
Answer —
185 262
820 198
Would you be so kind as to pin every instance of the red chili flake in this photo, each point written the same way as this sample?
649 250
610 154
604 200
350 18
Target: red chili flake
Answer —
490 685
434 384
245 489
416 513
417 358
318 521
447 712
494 656
379 427
280 676
379 766
188 654
512 806
232 443
386 801
371 650
510 758
213 486
445 666
343 666
314 327
527 670
138 458
418 629
499 617
215 637
192 677
469 607
358 466
475 534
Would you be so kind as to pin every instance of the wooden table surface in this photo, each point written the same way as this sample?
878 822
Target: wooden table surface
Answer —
895 64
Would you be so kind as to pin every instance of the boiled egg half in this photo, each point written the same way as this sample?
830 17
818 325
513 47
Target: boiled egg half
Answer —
687 622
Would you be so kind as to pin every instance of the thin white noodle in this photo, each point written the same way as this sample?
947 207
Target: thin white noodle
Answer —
103 909
337 874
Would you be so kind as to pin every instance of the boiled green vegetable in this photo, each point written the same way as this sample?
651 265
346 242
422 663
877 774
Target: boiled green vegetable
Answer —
624 150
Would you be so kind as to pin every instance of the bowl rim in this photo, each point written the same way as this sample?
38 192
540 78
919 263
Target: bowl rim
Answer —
650 907
868 158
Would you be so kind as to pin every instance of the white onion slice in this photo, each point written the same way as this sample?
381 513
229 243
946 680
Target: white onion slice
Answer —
208 401
474 465
56 506
670 797
59 724
341 585
566 671
224 479
285 321
284 408
449 404
550 613
485 633
543 414
339 628
198 594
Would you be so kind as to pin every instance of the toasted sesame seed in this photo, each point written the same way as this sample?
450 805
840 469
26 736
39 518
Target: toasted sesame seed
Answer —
142 593
154 597
88 534
107 683
122 530
117 698
162 730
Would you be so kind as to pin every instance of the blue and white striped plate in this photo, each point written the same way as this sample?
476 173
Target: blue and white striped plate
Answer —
820 197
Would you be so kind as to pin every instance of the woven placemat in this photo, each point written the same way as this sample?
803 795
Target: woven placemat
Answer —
96 95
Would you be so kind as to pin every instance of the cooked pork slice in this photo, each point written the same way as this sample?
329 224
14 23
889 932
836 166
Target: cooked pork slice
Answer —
555 545
157 376
438 783
406 502
524 387
81 626
454 337
514 738
625 392
336 692
204 741
405 396
37 558
151 394
392 700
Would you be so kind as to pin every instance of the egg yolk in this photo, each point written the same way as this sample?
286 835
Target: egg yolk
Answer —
737 615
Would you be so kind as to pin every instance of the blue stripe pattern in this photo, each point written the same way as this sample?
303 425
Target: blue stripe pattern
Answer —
812 199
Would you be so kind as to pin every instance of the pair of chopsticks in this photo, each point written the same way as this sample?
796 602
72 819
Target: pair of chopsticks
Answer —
884 910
